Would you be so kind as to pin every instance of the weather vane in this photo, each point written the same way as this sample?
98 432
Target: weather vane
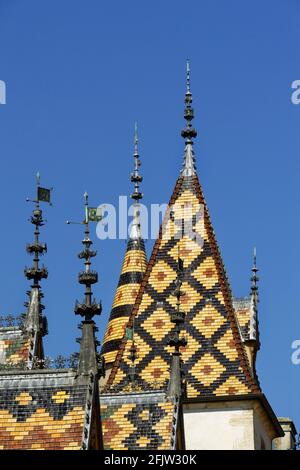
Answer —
42 194
91 214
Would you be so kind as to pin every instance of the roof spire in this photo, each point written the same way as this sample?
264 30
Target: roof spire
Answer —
132 273
253 327
254 278
188 133
136 178
35 322
188 76
177 317
89 307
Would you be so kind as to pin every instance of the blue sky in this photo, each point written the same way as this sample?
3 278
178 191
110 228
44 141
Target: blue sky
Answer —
78 74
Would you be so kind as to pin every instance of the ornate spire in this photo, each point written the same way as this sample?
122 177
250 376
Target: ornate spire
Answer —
177 317
35 323
136 178
132 272
253 327
188 133
36 273
89 307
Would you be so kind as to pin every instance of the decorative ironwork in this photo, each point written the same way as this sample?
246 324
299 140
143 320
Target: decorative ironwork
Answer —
22 365
90 277
137 386
12 321
61 362
36 273
189 132
88 311
36 247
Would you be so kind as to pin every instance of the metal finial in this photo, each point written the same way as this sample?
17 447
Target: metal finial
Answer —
38 178
89 307
86 198
35 273
136 140
253 325
254 279
136 178
188 133
86 210
188 76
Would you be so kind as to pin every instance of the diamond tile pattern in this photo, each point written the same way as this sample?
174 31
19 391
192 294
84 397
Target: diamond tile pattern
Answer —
215 362
130 423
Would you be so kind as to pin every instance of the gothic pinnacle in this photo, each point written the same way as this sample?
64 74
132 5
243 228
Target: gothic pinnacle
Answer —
188 133
36 273
136 178
89 307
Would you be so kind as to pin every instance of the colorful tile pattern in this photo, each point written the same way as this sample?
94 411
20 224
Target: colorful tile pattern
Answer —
215 362
15 346
133 268
45 418
138 422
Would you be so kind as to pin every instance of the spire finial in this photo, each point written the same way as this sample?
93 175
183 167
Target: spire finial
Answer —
254 277
253 326
89 307
188 77
136 178
188 133
136 140
34 319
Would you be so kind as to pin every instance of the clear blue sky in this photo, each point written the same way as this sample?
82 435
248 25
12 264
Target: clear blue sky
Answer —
79 73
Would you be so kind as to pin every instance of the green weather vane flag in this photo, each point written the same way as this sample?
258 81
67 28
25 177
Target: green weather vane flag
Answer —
91 214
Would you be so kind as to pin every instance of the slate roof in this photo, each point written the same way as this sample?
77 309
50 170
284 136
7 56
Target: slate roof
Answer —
42 410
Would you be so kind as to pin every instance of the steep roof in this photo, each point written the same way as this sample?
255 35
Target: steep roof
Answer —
215 361
133 269
44 409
